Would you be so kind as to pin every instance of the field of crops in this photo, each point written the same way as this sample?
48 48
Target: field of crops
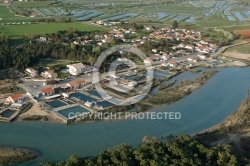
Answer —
15 30
193 13
7 16
187 11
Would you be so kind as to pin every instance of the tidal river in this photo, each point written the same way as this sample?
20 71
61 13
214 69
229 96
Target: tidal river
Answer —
204 108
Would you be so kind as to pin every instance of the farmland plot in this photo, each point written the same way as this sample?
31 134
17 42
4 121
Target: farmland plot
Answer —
190 19
247 13
180 18
92 14
229 16
171 16
161 15
120 17
239 16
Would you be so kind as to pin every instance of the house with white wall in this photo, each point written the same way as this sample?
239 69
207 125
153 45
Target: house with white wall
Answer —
17 98
47 91
76 84
49 74
76 69
172 64
192 59
31 71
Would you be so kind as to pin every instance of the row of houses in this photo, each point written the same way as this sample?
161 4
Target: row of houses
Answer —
47 74
157 57
79 68
16 98
19 98
199 57
71 85
74 69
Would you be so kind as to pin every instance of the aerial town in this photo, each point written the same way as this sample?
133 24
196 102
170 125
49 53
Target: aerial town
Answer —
124 82
45 93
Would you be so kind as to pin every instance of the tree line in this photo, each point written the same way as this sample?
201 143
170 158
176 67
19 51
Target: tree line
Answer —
179 150
22 56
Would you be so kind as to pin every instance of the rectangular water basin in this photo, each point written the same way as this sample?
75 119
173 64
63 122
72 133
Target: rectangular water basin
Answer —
94 93
82 97
56 103
104 104
73 111
8 113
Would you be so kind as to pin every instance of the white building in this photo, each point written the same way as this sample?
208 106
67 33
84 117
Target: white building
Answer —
90 104
76 84
123 59
32 72
76 69
49 74
203 49
172 64
132 84
192 59
164 64
202 56
154 50
33 94
190 47
17 98
165 57
47 91
65 95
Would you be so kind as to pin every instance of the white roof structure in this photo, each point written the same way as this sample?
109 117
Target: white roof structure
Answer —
16 105
52 97
78 65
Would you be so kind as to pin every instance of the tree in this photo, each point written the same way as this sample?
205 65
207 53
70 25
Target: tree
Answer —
96 50
176 150
91 60
72 46
62 19
175 24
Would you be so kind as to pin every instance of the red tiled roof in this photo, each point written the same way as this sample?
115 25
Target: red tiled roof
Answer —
171 62
47 90
73 83
16 96
166 55
202 47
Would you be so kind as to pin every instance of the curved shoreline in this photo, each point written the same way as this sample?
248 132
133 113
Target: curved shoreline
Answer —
27 153
138 129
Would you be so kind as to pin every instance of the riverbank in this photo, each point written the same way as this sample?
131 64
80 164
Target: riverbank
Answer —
168 96
14 155
235 130
209 105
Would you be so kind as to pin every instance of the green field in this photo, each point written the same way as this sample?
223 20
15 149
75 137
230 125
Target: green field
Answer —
244 49
54 62
33 4
237 27
8 16
149 13
15 30
5 13
217 21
